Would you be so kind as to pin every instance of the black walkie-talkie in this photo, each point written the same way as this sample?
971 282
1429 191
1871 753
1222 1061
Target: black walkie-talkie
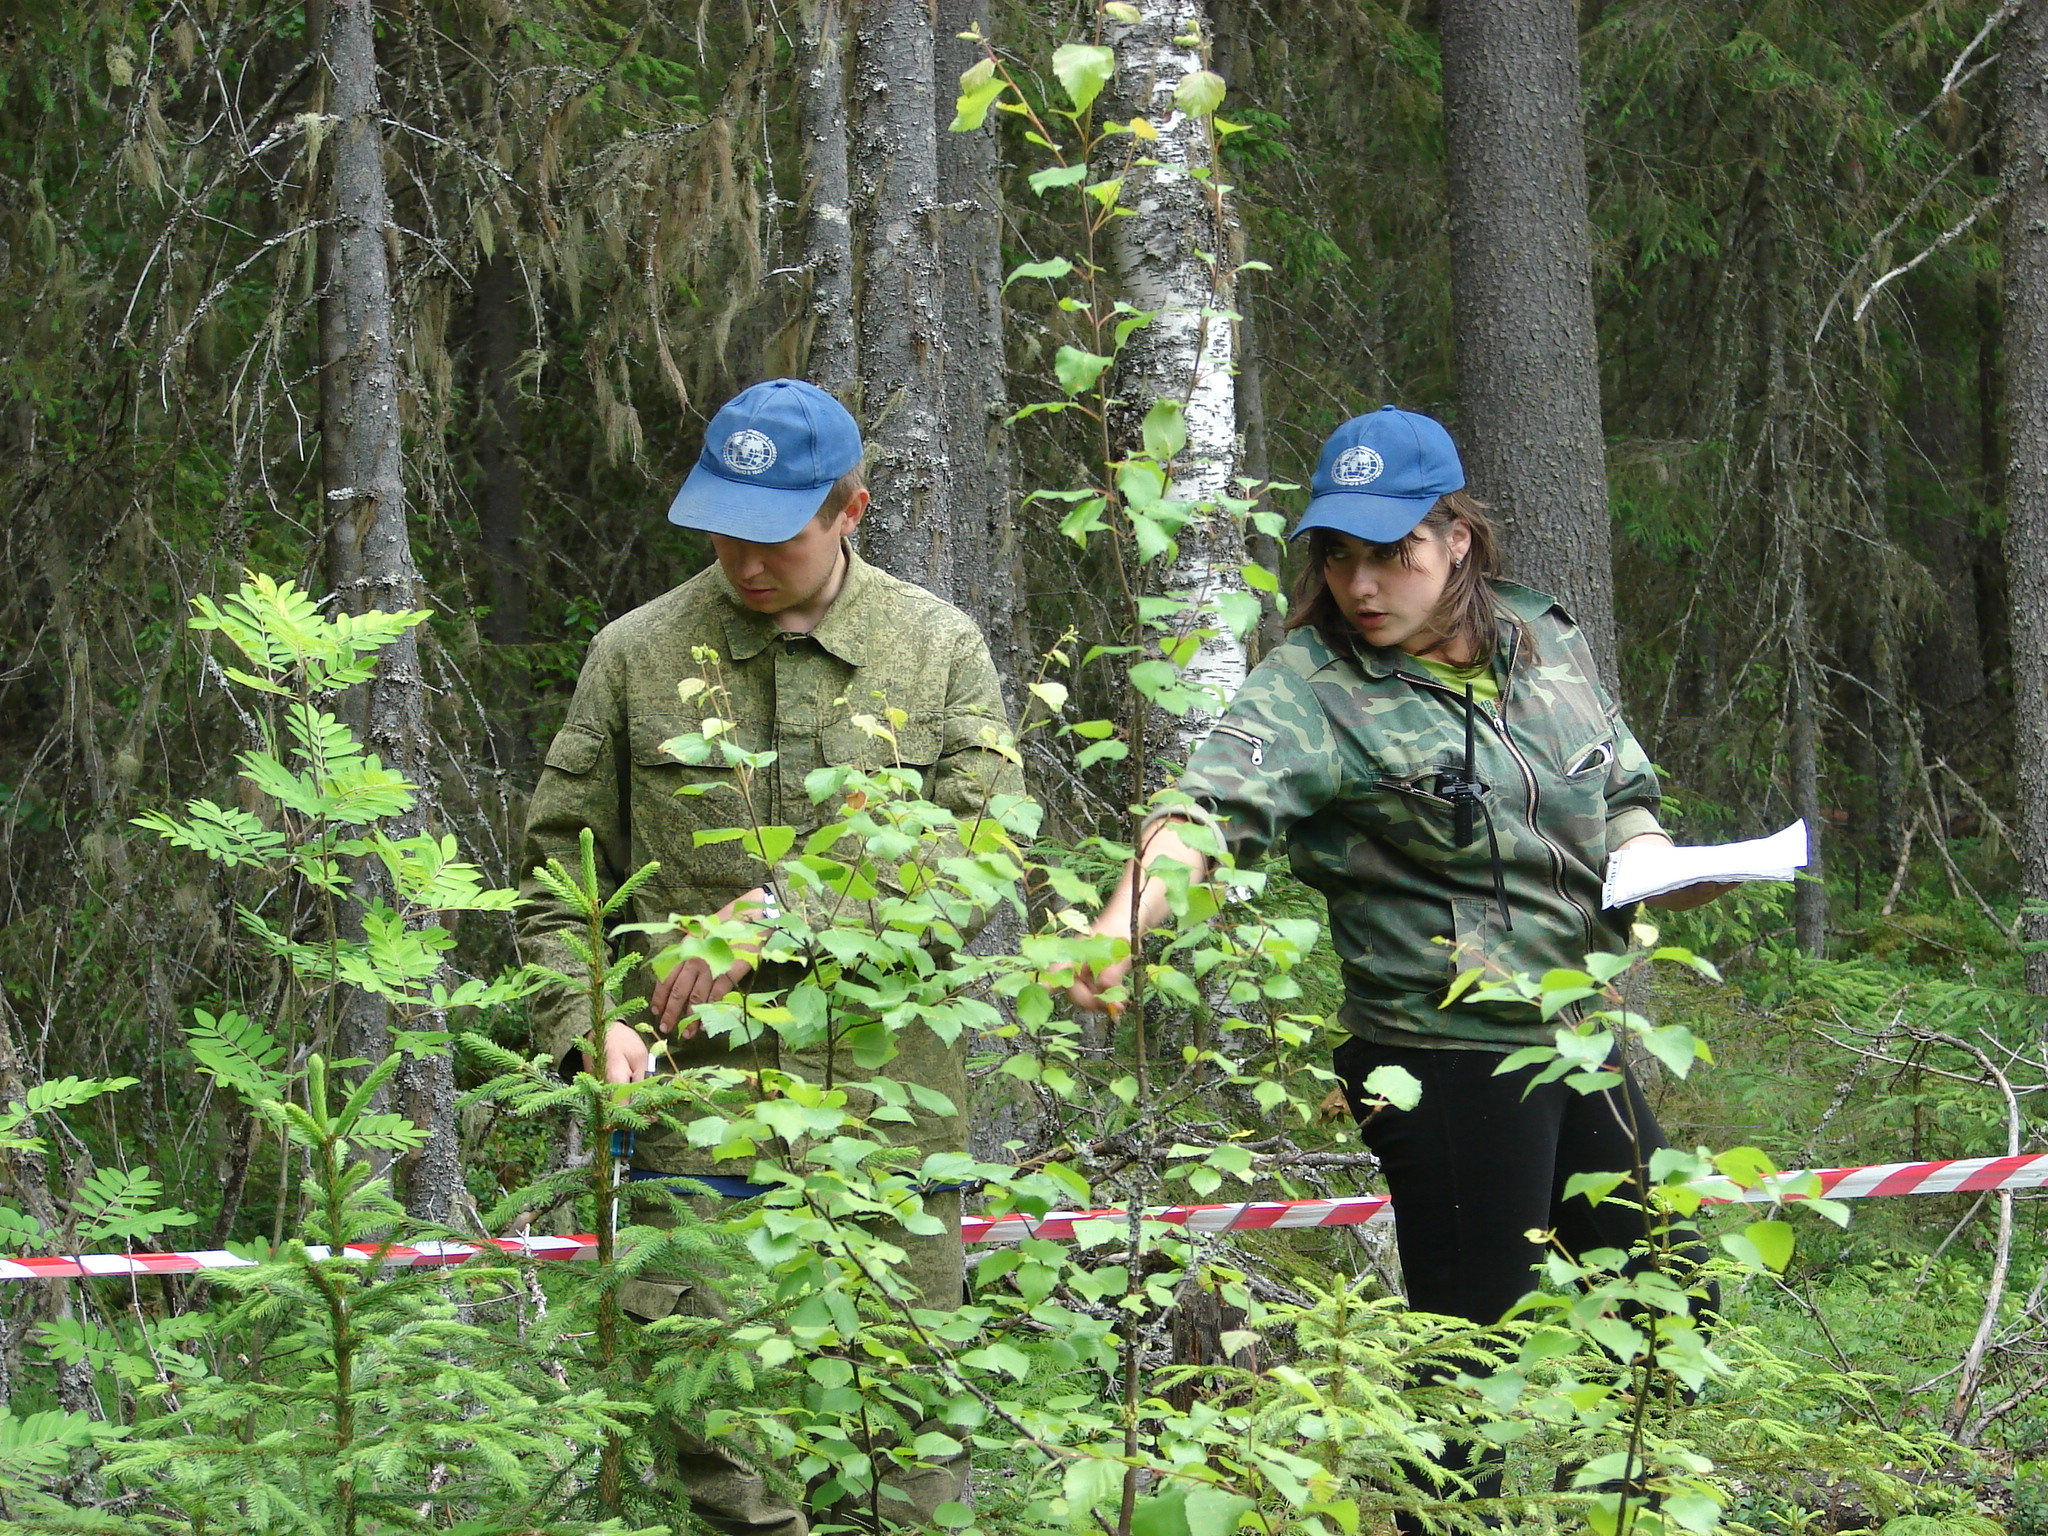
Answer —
1462 788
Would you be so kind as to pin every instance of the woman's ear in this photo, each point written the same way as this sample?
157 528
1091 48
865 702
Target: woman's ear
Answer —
1460 540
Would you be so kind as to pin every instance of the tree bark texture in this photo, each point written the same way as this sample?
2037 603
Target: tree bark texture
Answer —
988 579
1522 297
2023 110
501 502
1789 539
831 358
369 549
1185 354
894 171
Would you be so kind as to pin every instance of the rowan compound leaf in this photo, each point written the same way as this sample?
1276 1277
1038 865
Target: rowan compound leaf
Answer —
1083 69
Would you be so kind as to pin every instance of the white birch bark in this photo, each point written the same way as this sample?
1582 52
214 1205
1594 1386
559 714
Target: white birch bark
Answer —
1185 353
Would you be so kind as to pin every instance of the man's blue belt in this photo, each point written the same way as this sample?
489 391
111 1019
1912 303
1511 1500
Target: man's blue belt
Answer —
730 1187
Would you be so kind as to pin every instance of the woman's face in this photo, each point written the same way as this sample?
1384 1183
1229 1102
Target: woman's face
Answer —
1390 591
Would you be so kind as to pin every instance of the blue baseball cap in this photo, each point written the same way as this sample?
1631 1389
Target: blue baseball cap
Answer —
1380 474
770 455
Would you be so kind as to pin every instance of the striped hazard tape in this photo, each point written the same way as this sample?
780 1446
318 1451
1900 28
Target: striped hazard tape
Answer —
1951 1176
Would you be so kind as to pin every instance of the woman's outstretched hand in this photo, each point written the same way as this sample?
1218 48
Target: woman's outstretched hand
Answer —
1090 983
1158 841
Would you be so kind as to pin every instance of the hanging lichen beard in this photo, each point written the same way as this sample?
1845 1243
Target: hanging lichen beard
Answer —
1393 593
793 582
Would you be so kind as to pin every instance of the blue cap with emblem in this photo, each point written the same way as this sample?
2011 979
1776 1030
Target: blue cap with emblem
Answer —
1380 474
770 455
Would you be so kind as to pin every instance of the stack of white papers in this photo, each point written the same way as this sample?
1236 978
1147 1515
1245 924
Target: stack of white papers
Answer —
1635 874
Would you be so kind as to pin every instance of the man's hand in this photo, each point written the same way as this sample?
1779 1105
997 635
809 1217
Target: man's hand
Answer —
691 983
1686 897
626 1057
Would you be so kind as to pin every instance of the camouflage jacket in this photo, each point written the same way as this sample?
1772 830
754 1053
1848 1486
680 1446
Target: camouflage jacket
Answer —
883 643
1340 753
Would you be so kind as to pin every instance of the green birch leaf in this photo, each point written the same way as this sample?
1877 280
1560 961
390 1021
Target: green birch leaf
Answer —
1199 93
1166 430
1397 1085
1052 266
1057 176
1077 370
1083 69
971 110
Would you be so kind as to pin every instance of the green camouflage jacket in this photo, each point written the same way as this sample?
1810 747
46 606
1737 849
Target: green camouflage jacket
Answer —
1340 754
883 643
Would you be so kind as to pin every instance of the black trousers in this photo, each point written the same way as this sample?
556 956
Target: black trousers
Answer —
1479 1163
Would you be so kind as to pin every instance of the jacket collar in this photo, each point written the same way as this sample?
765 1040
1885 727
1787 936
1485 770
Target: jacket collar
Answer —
844 631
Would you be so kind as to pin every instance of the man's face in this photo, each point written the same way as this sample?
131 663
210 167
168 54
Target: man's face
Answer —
792 575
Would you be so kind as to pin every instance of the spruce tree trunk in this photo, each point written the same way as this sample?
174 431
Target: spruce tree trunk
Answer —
831 359
1789 542
895 177
502 533
501 500
1522 297
369 550
987 564
2023 111
1184 354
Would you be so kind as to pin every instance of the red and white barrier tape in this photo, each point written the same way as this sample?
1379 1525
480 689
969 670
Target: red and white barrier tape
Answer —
1953 1176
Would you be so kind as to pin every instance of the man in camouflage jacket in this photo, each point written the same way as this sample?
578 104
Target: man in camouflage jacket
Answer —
805 634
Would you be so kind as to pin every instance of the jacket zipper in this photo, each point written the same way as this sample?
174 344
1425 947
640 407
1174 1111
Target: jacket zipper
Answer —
1500 729
1258 747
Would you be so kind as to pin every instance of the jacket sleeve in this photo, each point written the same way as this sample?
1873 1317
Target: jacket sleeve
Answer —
582 784
970 771
1271 761
1633 793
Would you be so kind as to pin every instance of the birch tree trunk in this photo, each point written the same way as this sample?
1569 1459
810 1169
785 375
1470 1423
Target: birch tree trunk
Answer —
831 357
369 550
987 564
1184 354
1522 297
2023 111
894 170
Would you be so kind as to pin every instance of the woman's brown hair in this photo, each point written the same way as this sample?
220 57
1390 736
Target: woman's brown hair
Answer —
1465 615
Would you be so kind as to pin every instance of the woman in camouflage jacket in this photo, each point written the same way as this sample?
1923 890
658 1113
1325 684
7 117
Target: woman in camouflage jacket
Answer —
1434 748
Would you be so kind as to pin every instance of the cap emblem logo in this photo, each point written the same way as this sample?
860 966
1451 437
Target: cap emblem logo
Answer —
749 452
1354 466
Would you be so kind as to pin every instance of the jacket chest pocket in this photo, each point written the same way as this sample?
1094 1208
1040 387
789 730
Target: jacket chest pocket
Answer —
1406 808
673 800
918 743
